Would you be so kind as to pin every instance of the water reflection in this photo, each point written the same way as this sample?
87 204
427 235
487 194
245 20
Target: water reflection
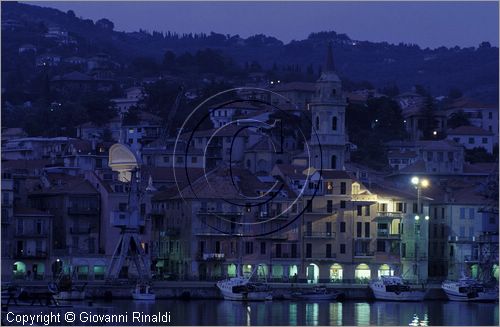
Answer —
352 313
312 314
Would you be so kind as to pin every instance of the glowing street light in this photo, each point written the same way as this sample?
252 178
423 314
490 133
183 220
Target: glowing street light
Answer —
417 217
426 217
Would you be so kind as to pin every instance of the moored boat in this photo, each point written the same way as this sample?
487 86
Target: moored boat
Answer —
393 288
143 292
240 289
469 289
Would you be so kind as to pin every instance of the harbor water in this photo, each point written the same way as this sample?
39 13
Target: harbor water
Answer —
223 313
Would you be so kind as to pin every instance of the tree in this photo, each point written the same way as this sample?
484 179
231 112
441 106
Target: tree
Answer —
478 154
169 60
458 119
429 121
99 109
105 24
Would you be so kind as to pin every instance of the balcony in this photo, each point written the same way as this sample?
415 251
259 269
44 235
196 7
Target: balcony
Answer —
32 233
204 211
273 214
329 235
212 232
471 258
91 211
388 216
36 255
320 256
366 254
284 255
79 230
386 235
170 232
212 256
461 239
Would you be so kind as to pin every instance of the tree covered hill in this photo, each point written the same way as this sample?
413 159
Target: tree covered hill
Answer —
473 70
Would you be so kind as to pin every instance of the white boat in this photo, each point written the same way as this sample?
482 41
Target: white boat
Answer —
68 292
143 292
240 289
318 294
469 289
72 295
393 288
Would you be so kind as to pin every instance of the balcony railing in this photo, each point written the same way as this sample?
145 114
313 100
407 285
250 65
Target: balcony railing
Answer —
284 255
391 215
320 256
319 234
212 256
386 234
272 214
203 211
80 230
83 211
213 232
36 255
32 233
366 254
173 231
461 239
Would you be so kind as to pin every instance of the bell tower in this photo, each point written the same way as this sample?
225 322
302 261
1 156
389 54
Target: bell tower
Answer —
328 140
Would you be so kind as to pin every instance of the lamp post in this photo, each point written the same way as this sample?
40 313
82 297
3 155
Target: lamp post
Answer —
418 184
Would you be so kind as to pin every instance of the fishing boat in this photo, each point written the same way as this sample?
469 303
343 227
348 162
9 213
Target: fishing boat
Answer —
317 294
240 288
469 289
143 292
393 288
64 289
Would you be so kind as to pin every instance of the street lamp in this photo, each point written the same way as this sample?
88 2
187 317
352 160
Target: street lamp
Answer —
418 183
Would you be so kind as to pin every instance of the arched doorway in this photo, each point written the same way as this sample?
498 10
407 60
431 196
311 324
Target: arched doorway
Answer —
277 272
362 273
262 271
474 271
312 273
385 270
19 270
38 270
293 273
336 273
247 270
231 270
495 272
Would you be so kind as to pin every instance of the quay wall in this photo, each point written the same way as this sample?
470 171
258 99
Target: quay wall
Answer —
208 290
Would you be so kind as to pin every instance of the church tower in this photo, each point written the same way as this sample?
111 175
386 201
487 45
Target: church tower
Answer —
328 139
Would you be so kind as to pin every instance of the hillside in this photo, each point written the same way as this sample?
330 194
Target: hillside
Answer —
472 70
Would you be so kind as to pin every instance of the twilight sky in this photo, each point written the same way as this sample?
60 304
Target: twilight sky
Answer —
428 24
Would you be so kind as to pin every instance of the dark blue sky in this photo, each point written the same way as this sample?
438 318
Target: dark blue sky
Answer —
428 24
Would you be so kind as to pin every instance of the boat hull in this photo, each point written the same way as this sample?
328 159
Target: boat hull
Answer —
246 296
70 296
486 296
412 295
144 296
